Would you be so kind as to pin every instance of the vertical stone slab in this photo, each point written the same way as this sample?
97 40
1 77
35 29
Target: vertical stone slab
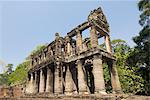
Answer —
114 77
49 81
98 74
27 88
108 44
35 83
68 82
68 46
93 37
79 41
41 87
81 79
58 87
31 84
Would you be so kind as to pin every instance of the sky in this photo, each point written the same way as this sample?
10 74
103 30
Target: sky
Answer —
26 24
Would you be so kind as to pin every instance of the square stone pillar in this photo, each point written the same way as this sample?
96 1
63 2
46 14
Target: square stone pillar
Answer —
108 44
42 85
35 83
49 81
98 74
93 37
58 86
81 79
114 77
68 82
68 46
31 84
79 41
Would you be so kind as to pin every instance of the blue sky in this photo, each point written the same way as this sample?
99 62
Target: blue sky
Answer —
26 24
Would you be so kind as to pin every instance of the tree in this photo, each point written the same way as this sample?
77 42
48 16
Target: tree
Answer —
20 74
3 79
140 57
38 49
9 68
144 7
130 81
4 76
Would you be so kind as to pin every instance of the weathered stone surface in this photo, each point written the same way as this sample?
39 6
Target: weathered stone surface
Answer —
49 81
93 37
58 87
98 75
68 82
114 77
78 78
79 41
108 44
41 87
81 97
81 78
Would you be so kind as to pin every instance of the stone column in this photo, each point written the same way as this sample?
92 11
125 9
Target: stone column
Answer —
98 74
49 81
31 89
114 77
41 87
81 79
68 46
35 83
108 44
68 82
58 87
79 41
93 37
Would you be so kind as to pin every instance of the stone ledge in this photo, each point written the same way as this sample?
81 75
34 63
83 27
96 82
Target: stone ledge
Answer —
80 97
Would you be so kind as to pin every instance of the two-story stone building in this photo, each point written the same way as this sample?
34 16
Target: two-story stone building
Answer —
73 65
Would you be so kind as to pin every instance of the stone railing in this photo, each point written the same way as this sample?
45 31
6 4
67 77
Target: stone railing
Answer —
43 63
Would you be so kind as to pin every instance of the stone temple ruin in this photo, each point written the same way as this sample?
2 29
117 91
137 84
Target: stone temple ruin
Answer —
71 66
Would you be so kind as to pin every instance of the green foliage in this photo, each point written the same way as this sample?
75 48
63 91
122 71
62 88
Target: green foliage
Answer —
140 56
107 79
131 81
9 68
144 7
3 79
38 49
20 73
4 76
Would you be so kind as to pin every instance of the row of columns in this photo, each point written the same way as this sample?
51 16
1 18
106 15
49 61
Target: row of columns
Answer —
99 83
39 82
45 82
97 64
50 83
